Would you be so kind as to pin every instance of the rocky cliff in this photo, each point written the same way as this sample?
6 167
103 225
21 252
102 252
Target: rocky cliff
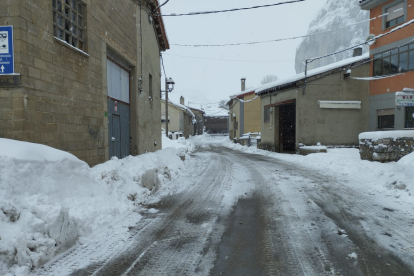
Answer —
335 14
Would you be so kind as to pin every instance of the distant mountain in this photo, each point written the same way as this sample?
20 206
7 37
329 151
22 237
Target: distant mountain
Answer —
335 14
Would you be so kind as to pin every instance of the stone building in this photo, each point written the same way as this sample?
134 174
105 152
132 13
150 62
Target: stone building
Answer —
87 76
332 110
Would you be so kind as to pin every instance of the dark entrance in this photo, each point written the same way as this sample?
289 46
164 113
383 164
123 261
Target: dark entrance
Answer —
287 128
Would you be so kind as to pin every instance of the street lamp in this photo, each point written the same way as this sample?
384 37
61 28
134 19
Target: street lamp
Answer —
169 87
170 84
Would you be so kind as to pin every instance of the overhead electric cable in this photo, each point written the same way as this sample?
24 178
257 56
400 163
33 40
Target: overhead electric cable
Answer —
163 68
155 10
308 61
232 10
282 39
232 60
362 44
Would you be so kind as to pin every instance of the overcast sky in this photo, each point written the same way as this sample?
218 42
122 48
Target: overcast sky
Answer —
200 79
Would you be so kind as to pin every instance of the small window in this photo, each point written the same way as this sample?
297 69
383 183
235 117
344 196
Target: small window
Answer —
386 118
395 15
409 117
266 114
69 22
163 118
150 87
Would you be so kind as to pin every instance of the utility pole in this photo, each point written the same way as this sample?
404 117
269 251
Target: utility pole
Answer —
166 107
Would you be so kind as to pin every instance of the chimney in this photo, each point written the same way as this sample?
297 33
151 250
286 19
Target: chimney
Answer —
357 52
182 100
243 84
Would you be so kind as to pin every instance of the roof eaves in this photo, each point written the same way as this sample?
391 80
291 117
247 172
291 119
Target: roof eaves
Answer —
280 85
160 28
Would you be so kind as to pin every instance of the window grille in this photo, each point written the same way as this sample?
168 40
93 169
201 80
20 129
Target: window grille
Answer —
69 22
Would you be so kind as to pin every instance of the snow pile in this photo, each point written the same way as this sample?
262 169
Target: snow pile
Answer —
50 198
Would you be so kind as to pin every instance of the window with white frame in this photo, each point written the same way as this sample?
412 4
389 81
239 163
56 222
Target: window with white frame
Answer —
69 22
395 15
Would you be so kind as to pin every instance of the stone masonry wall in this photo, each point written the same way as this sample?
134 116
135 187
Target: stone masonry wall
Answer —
385 150
63 97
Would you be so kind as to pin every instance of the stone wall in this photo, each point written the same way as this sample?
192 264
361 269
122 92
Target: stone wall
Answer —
386 149
62 101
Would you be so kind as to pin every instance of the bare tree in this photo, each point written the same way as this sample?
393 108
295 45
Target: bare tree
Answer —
223 104
268 79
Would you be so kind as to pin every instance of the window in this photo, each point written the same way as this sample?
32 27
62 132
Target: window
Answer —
394 61
386 118
409 117
69 22
267 114
395 15
163 118
150 87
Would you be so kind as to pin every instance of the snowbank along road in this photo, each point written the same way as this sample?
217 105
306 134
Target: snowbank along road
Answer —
246 214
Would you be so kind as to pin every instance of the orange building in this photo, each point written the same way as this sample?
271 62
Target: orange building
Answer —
393 54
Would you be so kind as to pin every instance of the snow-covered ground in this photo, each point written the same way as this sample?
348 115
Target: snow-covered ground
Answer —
50 201
394 181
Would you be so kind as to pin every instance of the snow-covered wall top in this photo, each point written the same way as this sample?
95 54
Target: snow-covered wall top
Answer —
335 14
377 135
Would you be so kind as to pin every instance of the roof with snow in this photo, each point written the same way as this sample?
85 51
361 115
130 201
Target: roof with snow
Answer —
242 94
210 109
291 80
180 106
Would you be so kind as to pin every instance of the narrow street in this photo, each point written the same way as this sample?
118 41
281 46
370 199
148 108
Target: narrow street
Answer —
253 215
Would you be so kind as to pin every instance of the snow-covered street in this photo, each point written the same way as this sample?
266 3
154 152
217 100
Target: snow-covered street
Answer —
226 210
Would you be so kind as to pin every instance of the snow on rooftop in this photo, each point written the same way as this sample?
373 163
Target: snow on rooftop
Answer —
311 73
210 109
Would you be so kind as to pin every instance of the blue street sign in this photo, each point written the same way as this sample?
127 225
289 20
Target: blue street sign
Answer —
6 50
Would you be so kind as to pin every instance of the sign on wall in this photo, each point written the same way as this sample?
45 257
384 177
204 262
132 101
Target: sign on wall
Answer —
404 99
6 50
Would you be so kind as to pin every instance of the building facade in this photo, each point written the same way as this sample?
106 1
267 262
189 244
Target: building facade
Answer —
78 66
393 54
216 124
332 110
244 113
199 125
180 119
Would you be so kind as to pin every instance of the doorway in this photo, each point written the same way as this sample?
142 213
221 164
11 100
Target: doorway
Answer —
287 128
118 110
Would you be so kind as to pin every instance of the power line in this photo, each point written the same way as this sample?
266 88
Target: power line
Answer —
163 68
159 6
283 39
232 60
231 10
362 44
